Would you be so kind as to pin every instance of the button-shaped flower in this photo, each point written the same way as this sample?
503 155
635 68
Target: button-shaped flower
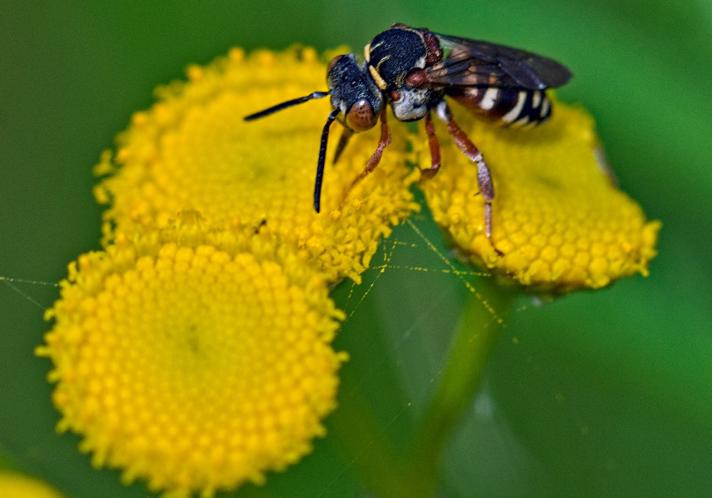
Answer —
559 221
15 485
194 358
193 150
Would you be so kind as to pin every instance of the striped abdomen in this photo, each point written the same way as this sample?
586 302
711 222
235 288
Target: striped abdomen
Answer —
507 106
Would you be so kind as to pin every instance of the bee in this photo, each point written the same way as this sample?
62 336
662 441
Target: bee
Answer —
413 70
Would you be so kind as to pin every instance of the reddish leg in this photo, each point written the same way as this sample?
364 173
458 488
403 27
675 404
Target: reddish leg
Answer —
484 178
434 149
375 158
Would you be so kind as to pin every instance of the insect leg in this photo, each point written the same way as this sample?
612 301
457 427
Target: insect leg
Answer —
343 141
434 149
375 158
484 177
322 159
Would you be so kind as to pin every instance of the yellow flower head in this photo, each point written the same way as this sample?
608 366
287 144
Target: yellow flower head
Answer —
559 222
195 358
14 485
192 150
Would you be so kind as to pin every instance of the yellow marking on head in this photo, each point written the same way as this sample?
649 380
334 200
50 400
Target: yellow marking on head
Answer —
380 83
367 52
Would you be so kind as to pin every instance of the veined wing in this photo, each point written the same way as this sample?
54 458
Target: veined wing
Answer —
479 63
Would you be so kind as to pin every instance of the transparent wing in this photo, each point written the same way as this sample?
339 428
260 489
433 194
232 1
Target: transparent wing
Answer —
479 63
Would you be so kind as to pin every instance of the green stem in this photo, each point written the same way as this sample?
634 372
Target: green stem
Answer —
374 456
476 334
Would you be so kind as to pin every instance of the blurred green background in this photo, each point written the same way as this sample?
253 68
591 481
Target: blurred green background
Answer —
605 393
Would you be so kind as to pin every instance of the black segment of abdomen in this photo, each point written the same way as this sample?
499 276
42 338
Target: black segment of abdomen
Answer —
535 106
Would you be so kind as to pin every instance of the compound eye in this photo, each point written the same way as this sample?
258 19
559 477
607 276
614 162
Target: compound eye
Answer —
360 116
416 78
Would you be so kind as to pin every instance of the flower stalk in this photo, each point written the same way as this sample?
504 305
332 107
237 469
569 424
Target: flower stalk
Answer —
375 457
464 366
386 471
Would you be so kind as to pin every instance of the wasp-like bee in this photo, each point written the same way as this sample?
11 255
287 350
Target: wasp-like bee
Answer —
413 70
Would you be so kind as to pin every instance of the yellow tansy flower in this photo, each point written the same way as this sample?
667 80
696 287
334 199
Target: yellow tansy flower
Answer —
14 485
192 150
195 358
559 222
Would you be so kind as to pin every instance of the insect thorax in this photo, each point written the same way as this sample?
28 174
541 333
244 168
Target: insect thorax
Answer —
393 53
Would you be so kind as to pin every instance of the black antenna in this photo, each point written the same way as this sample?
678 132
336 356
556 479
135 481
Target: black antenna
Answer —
322 159
343 142
284 105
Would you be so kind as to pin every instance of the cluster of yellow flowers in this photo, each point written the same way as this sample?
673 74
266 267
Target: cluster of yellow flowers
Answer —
193 150
560 222
197 358
194 350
